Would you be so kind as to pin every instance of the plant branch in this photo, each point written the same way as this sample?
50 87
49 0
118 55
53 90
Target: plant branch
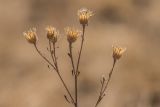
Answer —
105 85
57 69
80 52
71 57
77 68
51 51
39 52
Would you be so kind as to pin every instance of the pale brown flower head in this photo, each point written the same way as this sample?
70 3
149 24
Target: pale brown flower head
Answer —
84 14
31 36
52 34
72 34
117 52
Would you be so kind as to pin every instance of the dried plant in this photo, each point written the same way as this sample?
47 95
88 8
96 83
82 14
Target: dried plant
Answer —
72 35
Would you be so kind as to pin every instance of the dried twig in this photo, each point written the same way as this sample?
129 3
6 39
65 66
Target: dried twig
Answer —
104 84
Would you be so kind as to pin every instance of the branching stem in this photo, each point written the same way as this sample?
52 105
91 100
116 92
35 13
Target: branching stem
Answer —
51 51
39 52
71 57
57 69
77 68
55 66
105 85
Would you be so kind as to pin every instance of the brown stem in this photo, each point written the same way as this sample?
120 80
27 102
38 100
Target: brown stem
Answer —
77 72
102 92
82 41
76 89
39 52
51 51
71 57
110 75
57 69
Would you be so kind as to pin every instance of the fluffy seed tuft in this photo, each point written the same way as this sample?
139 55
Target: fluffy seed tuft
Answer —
84 14
31 36
117 52
52 34
72 34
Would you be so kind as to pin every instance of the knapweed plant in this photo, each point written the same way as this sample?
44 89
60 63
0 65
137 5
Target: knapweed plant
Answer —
72 34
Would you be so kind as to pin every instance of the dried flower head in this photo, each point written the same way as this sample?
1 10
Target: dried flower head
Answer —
84 14
52 34
72 34
117 52
31 36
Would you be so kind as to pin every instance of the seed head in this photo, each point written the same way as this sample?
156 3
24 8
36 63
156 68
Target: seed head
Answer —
52 34
31 36
117 52
84 14
72 34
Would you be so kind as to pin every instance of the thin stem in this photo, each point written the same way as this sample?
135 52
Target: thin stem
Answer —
110 75
57 69
102 92
76 91
39 52
71 57
55 57
102 87
77 72
65 86
82 41
51 51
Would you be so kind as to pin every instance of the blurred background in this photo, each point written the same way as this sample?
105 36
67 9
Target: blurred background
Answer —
26 81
